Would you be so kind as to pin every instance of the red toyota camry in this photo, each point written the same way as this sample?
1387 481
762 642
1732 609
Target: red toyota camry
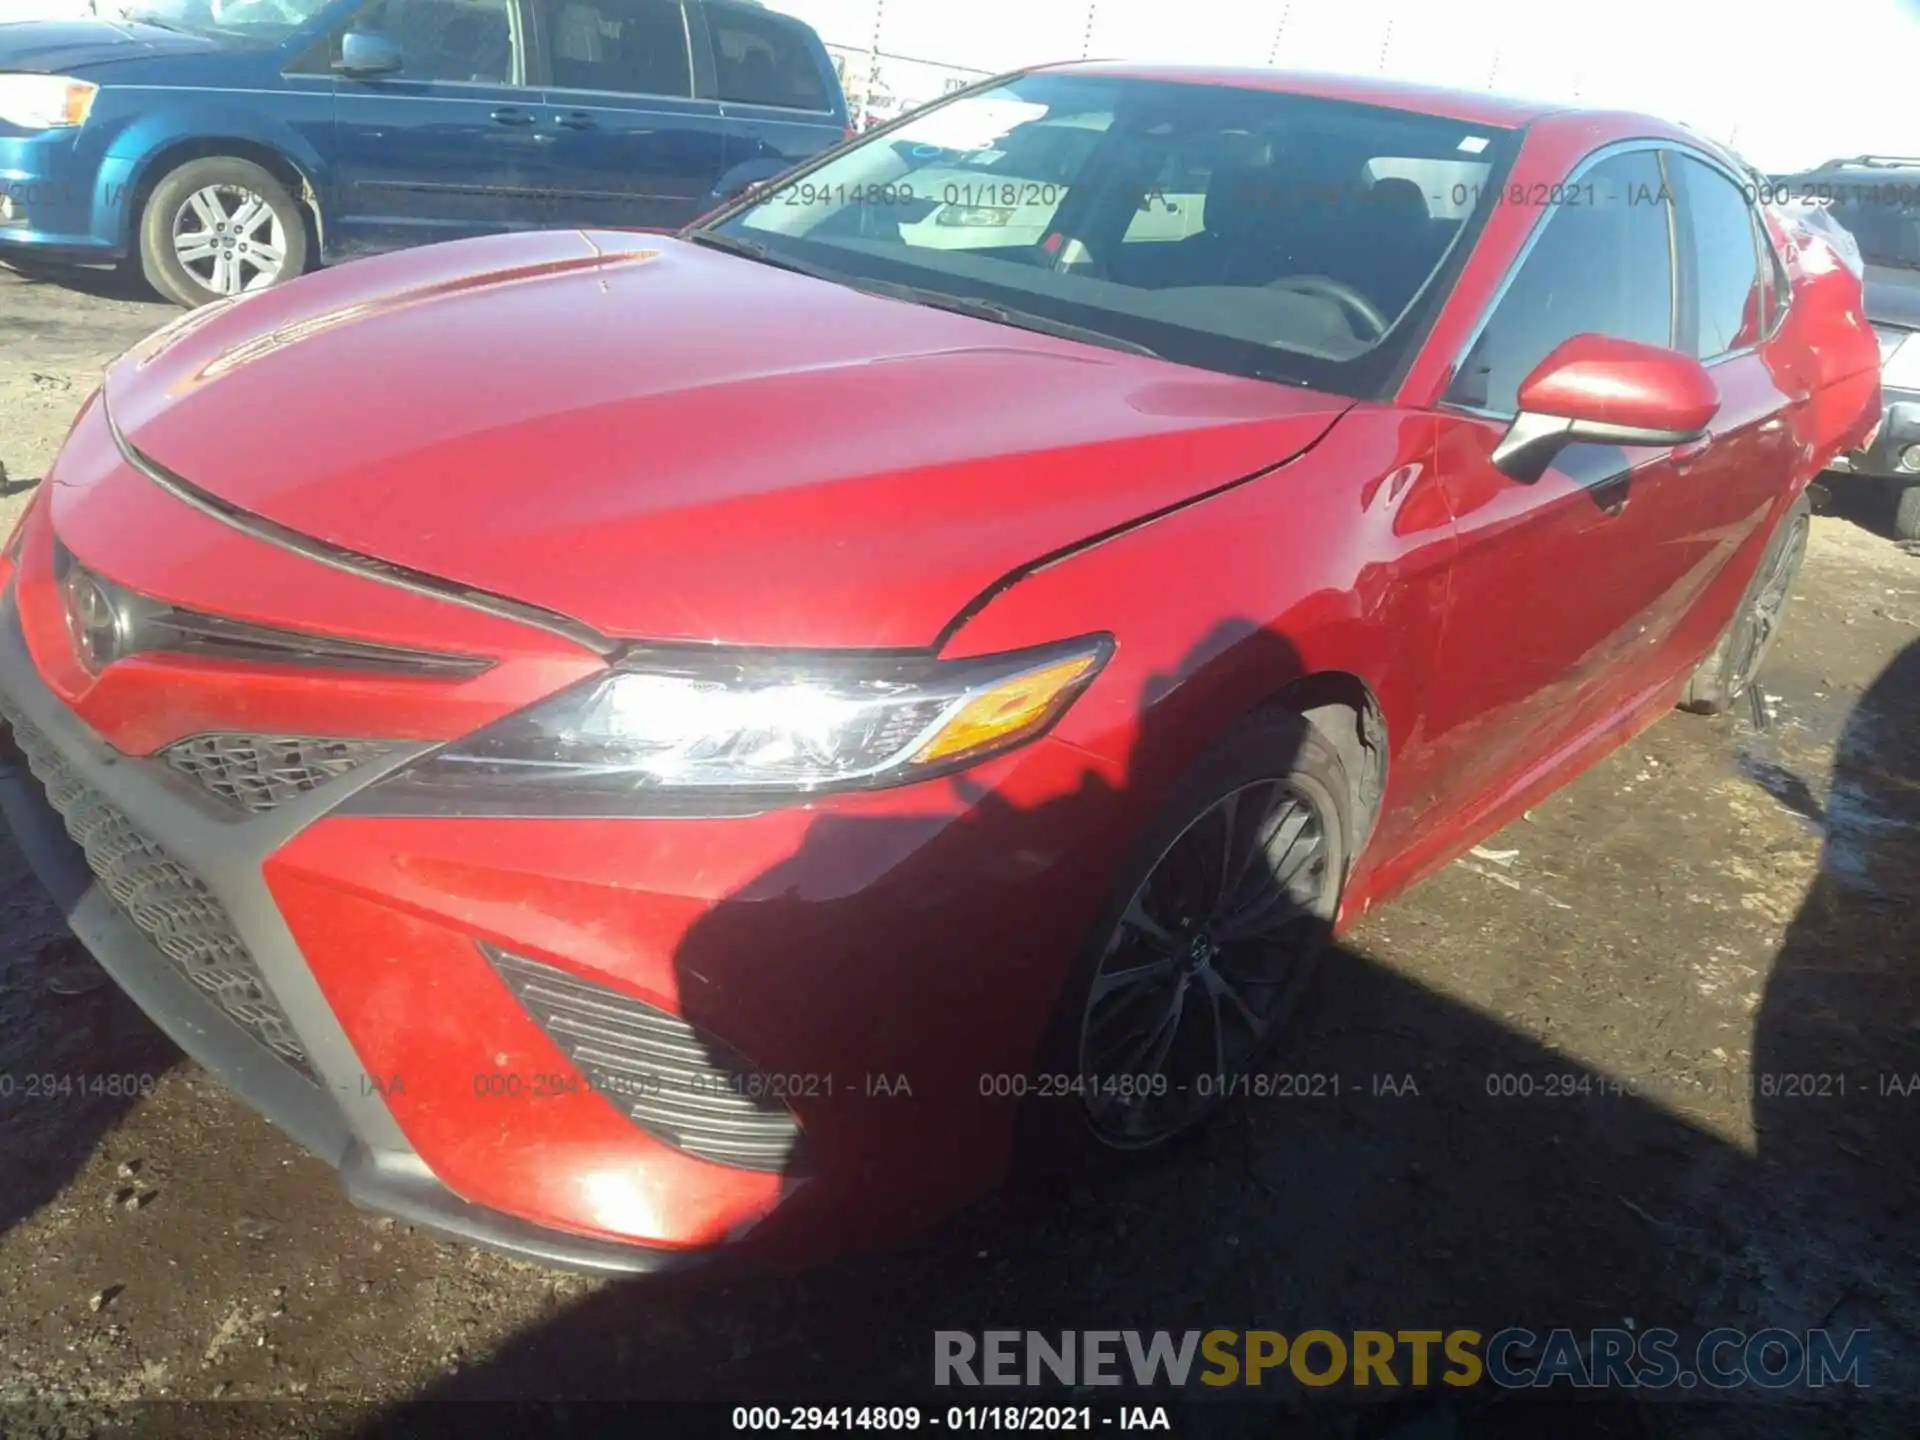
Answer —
633 747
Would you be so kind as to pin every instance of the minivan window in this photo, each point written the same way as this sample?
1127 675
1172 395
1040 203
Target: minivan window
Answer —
1599 266
1884 219
1235 229
762 59
470 42
626 47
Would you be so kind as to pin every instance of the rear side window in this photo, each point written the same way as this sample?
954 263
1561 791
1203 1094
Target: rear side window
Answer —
1716 226
765 59
626 47
1600 266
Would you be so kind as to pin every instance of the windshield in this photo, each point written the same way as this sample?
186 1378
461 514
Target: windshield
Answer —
1883 219
1266 234
244 19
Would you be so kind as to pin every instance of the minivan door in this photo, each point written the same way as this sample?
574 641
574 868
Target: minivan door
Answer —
447 147
631 146
776 87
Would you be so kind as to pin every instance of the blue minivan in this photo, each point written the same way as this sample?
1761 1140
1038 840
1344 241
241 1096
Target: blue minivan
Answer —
228 145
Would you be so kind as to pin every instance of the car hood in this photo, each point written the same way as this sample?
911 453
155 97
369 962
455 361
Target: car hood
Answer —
668 442
62 47
1893 296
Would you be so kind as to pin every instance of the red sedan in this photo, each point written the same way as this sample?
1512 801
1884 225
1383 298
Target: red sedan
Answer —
634 747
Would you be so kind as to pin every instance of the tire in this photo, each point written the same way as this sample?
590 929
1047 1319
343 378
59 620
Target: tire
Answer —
1272 762
1727 672
1906 514
184 206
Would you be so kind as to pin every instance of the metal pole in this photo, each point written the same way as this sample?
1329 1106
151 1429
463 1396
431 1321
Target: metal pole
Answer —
1286 13
873 64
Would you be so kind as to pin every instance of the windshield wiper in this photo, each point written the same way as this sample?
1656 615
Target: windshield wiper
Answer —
754 250
1004 315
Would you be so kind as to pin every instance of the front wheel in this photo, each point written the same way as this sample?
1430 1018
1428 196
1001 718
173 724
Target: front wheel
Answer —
1725 675
219 227
1209 937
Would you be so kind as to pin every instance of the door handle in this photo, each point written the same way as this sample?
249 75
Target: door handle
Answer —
577 121
513 115
1688 457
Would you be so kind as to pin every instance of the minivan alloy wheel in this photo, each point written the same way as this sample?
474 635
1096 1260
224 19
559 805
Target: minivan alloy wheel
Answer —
229 239
1197 971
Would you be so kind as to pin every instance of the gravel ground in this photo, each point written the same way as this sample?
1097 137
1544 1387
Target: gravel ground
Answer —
1710 910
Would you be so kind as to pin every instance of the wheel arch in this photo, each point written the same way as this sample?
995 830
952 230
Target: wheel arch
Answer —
297 175
1343 708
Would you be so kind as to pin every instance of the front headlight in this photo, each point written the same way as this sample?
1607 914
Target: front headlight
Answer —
45 102
722 728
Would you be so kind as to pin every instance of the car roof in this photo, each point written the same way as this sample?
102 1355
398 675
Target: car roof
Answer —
1472 106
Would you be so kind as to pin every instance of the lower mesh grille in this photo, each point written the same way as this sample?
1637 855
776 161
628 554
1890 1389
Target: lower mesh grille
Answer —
168 903
257 772
676 1083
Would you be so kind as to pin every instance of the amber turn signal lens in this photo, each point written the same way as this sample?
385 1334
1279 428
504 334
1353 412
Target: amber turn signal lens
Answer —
1013 708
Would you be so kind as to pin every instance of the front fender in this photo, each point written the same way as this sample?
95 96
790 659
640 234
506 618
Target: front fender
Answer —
194 125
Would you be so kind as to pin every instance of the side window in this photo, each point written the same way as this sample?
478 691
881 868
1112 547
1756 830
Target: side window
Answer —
1600 265
763 59
1716 226
627 47
466 41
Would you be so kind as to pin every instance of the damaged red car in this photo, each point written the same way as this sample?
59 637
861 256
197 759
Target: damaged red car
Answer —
636 748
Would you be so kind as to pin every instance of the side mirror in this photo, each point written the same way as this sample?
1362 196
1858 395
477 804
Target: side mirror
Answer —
1602 391
365 55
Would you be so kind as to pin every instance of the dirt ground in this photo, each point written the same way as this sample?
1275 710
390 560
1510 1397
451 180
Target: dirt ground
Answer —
1711 911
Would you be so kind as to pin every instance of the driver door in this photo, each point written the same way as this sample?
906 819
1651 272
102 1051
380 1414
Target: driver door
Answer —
448 147
1565 591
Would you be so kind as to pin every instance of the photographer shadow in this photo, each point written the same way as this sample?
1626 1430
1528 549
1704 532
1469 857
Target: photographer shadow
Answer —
1392 1187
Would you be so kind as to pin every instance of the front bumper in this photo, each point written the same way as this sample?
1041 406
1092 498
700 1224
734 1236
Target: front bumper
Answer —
882 959
338 1120
57 202
1899 428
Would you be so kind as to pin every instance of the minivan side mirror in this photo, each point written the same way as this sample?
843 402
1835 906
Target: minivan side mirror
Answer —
1598 390
367 55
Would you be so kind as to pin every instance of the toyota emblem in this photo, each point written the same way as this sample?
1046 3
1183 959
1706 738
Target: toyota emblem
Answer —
95 622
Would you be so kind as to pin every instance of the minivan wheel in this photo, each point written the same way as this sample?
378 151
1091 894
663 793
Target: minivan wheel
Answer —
1906 514
1726 673
1209 937
220 227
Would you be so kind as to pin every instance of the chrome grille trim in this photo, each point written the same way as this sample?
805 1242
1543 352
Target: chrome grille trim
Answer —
170 905
257 773
139 624
352 562
677 1083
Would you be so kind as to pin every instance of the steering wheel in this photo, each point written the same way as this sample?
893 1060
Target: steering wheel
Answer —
1355 303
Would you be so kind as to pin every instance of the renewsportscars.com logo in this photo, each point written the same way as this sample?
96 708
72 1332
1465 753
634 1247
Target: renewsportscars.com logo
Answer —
1513 1358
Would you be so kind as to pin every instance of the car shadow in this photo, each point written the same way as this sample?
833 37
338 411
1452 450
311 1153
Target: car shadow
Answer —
103 282
75 1053
1430 1167
1836 1050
